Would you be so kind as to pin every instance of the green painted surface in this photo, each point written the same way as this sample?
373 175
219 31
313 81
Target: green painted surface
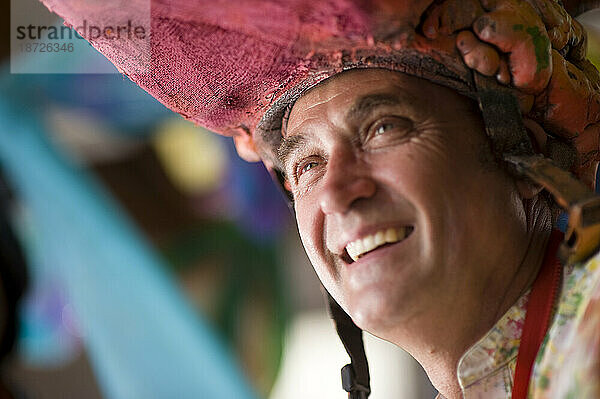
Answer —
541 44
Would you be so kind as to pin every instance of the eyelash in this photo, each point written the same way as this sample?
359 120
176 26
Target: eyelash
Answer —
403 124
300 166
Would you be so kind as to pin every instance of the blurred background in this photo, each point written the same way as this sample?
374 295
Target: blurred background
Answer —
143 258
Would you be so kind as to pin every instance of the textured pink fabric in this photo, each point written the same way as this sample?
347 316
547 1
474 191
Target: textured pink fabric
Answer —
222 64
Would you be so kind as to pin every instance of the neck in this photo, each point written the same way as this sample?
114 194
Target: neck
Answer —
439 341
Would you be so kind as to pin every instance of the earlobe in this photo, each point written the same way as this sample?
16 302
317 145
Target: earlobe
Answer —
244 144
287 185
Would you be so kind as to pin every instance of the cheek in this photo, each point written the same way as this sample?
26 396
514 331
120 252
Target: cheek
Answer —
309 228
420 172
429 176
310 223
306 221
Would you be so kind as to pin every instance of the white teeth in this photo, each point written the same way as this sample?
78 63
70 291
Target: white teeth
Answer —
379 238
390 235
402 233
368 243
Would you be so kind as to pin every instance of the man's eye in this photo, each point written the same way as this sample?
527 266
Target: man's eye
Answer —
383 128
390 124
304 167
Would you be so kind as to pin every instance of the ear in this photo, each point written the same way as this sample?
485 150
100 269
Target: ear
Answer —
528 189
536 134
244 144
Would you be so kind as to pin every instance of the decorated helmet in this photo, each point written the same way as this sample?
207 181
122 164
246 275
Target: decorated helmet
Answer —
238 67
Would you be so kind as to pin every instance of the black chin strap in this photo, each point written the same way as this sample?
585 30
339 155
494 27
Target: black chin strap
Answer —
355 376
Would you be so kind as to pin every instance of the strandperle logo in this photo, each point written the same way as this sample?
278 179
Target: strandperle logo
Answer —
88 31
41 42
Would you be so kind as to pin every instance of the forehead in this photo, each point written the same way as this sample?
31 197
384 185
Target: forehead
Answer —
342 96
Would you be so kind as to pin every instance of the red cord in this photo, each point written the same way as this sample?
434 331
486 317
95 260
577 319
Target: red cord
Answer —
537 320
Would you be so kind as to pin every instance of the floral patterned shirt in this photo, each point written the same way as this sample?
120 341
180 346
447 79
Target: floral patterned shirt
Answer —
568 363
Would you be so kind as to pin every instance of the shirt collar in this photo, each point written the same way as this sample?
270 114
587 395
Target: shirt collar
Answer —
496 348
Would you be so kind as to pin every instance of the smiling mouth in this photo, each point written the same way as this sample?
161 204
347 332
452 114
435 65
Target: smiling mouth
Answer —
369 243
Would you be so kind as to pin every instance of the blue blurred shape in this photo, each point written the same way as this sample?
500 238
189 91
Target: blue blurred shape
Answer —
144 340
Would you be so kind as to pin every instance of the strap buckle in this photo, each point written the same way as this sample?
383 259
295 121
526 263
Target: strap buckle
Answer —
582 205
350 385
583 231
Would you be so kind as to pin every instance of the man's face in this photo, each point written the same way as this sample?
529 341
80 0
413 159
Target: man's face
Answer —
396 172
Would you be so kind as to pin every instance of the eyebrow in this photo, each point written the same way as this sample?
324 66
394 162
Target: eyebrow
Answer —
363 107
288 146
359 111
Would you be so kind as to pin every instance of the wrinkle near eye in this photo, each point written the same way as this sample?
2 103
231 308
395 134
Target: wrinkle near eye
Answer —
300 158
431 140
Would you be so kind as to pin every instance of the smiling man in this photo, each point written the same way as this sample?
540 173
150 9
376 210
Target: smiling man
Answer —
381 181
387 184
419 142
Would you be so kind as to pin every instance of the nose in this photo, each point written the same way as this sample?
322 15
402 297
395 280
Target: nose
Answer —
346 180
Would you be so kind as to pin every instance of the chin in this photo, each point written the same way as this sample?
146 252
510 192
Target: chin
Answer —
377 311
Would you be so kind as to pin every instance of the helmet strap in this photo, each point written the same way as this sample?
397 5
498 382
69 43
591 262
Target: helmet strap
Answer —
355 375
